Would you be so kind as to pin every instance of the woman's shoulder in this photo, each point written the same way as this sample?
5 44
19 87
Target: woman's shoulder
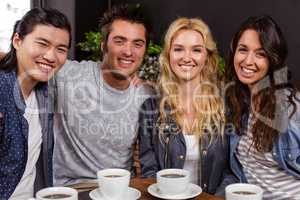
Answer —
297 103
293 104
151 104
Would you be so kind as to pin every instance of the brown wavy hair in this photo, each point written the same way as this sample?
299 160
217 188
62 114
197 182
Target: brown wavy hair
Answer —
238 96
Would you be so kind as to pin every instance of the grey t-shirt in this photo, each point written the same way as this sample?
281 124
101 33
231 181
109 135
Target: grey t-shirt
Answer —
95 124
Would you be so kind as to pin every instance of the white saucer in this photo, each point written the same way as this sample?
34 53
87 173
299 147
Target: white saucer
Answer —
132 194
192 191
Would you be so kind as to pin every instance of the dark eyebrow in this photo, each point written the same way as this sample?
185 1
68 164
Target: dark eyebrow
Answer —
245 46
118 37
48 42
140 40
42 39
242 45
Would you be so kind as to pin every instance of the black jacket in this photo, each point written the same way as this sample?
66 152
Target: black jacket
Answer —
157 153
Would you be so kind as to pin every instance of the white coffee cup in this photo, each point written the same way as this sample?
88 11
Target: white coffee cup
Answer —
172 181
113 183
243 191
65 193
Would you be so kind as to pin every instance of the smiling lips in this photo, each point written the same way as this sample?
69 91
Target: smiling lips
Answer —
247 72
126 62
186 67
46 68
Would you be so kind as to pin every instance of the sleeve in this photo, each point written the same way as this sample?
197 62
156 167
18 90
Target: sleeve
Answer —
1 111
228 176
291 151
146 128
1 124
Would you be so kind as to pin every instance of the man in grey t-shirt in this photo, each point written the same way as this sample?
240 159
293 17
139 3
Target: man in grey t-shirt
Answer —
97 105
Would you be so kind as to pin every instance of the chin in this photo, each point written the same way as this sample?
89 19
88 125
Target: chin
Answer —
43 78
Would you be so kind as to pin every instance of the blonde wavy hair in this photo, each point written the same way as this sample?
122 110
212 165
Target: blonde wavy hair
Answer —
207 100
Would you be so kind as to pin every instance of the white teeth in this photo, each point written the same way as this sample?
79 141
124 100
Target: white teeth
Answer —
126 61
45 67
248 70
186 66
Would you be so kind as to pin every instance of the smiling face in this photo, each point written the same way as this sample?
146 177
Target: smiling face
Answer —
124 49
187 55
41 53
250 60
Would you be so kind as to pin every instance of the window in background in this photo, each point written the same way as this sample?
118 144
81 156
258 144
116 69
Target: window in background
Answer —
10 12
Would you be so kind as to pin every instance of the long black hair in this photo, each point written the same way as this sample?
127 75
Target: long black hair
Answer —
264 101
24 26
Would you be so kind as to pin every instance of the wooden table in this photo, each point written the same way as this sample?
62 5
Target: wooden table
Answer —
142 185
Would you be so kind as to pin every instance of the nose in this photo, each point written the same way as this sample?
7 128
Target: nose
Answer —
50 55
249 59
127 49
187 56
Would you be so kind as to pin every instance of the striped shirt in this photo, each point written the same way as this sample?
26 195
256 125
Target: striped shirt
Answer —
262 170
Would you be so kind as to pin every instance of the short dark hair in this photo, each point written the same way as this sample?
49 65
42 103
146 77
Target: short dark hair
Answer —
24 26
127 12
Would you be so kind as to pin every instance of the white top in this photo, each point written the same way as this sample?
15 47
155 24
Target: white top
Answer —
24 189
192 157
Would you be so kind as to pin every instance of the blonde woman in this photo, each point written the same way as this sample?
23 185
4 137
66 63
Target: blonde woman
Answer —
183 127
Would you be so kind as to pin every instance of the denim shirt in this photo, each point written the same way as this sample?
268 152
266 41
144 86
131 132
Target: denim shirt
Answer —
156 154
285 151
14 136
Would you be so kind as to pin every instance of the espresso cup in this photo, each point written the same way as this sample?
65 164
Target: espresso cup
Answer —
57 193
113 183
243 191
172 181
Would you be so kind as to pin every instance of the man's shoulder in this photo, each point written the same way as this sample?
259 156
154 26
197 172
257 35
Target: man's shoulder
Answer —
72 67
5 79
6 86
146 89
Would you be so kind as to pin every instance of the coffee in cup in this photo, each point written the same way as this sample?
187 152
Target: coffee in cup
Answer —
113 183
57 193
172 181
243 191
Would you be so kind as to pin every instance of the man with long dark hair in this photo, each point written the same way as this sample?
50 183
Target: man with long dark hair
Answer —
39 47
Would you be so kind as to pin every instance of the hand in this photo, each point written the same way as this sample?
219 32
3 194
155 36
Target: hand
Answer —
136 81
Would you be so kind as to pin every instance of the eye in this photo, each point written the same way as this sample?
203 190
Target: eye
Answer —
261 54
42 44
177 49
62 50
138 44
242 50
198 50
118 41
